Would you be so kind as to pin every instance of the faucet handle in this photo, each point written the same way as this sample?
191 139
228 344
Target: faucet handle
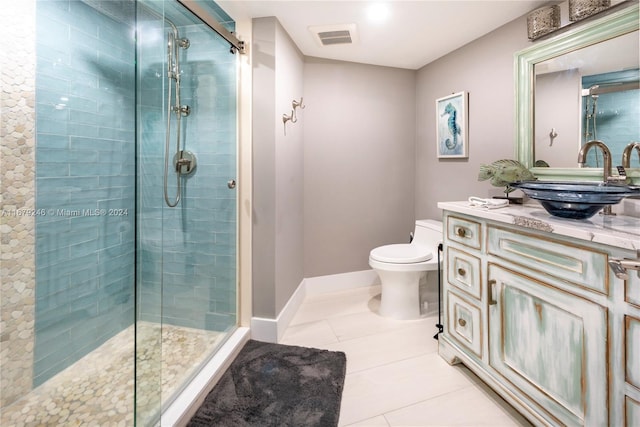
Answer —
621 178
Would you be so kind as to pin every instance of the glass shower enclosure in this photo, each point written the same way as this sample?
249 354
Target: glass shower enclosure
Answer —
134 214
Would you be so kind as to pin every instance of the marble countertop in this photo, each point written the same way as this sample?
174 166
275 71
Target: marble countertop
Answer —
620 231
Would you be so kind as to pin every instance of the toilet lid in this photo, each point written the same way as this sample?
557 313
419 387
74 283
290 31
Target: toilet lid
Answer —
400 254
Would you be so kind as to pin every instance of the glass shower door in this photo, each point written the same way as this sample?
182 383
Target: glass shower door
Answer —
186 207
112 300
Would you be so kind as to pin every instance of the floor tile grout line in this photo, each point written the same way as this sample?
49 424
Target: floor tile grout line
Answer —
369 335
384 414
458 390
393 362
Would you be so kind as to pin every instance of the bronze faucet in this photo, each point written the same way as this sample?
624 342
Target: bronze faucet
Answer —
606 170
626 154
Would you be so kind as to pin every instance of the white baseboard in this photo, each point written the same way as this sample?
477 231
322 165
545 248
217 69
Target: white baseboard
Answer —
341 282
271 330
264 329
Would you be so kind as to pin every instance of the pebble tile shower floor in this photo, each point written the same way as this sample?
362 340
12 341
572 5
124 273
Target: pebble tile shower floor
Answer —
98 390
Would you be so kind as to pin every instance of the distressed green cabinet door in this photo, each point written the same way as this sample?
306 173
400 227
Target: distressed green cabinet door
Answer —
551 345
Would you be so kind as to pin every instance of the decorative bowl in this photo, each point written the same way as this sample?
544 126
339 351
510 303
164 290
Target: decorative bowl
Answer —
575 200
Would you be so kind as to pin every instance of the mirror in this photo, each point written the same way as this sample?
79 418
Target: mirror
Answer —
590 93
552 115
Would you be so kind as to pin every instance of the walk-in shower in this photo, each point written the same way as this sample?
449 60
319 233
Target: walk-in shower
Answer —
119 254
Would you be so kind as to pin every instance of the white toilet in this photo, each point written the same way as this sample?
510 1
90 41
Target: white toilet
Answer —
401 266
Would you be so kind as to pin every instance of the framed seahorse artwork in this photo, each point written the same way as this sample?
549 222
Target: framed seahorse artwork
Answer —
451 126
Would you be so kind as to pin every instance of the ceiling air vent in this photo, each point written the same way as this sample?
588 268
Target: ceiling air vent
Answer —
335 37
328 35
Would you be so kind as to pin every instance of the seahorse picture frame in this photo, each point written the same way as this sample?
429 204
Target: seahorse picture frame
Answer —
451 126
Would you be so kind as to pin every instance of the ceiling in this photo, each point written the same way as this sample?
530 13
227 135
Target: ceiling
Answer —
402 34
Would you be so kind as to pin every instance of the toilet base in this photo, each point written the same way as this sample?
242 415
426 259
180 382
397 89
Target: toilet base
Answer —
400 294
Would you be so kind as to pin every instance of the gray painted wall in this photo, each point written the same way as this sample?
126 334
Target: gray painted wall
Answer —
558 106
368 165
485 69
277 169
359 139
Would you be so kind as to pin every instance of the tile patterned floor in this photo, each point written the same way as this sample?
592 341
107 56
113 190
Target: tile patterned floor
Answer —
98 390
395 376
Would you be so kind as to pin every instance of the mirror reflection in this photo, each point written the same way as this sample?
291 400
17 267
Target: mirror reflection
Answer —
591 93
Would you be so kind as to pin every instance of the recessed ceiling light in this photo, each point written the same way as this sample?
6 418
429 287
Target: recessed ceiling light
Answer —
378 12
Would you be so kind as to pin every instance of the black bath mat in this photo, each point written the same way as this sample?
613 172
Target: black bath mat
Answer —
276 385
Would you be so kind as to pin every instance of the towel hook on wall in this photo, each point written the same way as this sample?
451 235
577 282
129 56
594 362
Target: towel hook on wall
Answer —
293 117
552 135
295 105
286 118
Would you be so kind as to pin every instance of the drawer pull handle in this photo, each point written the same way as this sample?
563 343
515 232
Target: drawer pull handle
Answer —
462 272
462 322
492 298
461 232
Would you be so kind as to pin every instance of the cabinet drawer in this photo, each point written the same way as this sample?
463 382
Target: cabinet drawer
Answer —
632 289
585 267
463 272
632 353
463 231
464 323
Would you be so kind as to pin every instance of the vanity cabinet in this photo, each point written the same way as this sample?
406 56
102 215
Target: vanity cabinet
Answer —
549 344
538 315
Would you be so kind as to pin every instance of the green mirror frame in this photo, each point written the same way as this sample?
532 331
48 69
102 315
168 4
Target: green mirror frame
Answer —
576 36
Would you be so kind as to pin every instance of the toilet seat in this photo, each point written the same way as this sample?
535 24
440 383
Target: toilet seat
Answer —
400 254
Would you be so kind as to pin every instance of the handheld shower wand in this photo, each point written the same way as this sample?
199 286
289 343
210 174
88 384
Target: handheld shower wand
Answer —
184 161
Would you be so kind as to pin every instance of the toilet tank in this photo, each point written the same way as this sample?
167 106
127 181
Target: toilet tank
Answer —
428 233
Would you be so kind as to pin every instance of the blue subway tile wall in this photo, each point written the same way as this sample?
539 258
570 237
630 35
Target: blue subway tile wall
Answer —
617 116
106 233
85 163
195 242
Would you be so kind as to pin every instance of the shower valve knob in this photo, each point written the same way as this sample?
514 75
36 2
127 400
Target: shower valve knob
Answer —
184 162
183 165
231 184
185 110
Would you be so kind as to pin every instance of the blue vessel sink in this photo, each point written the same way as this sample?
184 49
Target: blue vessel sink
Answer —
575 200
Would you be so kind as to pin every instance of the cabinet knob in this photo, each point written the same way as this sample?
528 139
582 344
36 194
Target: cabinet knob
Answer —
462 272
462 322
461 232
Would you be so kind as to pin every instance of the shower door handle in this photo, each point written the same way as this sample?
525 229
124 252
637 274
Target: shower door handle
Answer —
231 184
